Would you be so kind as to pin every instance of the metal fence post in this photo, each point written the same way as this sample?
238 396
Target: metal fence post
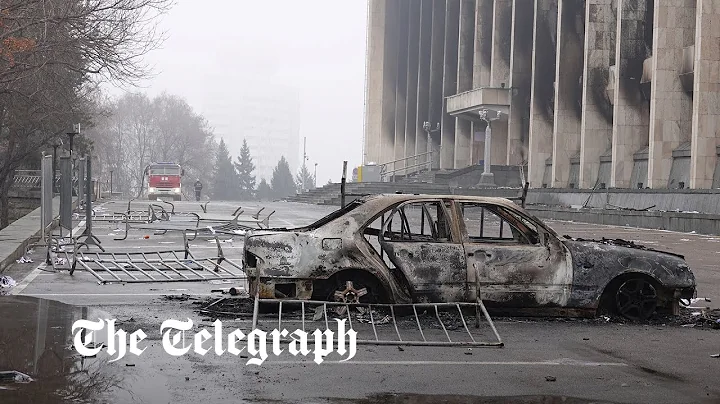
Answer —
81 185
65 193
342 184
46 194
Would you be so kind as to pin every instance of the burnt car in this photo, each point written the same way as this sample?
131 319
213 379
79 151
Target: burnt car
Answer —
400 248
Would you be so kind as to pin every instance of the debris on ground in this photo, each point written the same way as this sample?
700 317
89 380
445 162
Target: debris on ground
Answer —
550 378
182 298
6 283
242 306
24 260
13 376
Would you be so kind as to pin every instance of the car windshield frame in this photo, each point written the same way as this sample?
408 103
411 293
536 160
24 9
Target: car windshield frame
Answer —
330 217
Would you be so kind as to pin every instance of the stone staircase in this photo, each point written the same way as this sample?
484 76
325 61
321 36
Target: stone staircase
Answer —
330 194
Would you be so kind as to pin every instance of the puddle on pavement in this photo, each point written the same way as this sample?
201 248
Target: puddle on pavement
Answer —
36 340
461 399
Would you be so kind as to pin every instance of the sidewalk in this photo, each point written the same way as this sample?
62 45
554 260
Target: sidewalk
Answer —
15 238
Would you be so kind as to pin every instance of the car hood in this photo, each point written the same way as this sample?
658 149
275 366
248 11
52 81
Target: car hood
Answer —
608 258
626 245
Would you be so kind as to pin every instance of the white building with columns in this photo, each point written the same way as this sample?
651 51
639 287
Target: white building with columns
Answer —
596 93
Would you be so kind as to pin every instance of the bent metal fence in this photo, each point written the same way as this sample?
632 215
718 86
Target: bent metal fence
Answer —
143 266
417 324
414 324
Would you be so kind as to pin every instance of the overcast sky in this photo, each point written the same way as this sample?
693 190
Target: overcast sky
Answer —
316 46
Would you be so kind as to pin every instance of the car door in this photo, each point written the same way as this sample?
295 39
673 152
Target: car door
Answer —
511 261
425 243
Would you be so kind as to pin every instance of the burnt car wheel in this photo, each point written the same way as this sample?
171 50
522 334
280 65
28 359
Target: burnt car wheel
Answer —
636 299
350 294
352 287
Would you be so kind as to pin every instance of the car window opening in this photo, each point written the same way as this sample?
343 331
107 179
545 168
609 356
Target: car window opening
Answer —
485 224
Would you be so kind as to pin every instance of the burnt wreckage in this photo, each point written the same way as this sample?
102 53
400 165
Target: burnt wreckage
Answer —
428 248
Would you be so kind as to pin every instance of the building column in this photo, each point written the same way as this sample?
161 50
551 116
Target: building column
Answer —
423 82
500 71
466 49
631 113
671 108
437 59
597 110
542 95
411 116
482 60
402 82
450 78
374 90
706 109
520 78
568 97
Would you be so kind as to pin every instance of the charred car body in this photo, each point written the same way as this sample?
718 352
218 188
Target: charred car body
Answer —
428 248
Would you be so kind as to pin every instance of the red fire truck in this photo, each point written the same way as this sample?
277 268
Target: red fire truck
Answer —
164 181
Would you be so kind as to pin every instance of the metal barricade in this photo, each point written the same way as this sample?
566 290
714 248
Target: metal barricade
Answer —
417 324
143 266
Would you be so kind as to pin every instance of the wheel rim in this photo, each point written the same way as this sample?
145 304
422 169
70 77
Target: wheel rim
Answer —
349 294
636 299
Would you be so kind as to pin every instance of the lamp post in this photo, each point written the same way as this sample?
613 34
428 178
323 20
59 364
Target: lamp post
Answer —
429 130
315 177
487 177
111 188
304 167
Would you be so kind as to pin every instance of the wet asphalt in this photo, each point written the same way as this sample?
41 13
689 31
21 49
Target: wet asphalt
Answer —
541 362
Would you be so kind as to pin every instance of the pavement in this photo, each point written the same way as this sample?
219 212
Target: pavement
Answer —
543 360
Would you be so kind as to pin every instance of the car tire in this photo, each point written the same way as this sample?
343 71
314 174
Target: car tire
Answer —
636 298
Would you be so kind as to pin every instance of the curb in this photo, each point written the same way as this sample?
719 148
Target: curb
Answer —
19 232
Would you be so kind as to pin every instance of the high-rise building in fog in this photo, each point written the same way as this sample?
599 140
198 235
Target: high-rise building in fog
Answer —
607 93
268 117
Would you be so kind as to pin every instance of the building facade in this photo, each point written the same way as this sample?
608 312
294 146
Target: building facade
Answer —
579 94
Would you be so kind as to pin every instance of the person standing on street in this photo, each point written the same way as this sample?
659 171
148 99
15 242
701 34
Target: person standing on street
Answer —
198 188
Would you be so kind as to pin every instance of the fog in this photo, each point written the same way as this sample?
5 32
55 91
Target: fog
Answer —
218 52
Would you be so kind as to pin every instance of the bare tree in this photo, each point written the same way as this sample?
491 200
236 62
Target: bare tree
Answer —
52 56
139 130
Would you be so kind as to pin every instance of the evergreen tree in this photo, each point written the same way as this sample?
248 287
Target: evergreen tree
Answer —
309 179
224 181
282 182
245 167
264 192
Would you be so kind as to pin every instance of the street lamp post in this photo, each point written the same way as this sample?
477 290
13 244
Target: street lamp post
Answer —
111 188
487 177
315 177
